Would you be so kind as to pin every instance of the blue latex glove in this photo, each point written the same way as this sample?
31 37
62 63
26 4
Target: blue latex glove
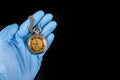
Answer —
16 61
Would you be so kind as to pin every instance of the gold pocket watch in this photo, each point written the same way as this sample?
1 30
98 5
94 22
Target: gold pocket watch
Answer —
36 43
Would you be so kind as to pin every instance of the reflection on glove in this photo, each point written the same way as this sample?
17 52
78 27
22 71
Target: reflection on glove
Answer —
16 61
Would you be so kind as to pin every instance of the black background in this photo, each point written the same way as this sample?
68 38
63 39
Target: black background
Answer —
79 36
75 43
56 60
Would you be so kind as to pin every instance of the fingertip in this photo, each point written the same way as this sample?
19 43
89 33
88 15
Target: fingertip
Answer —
49 15
39 12
8 32
50 39
38 16
54 23
15 24
51 36
12 27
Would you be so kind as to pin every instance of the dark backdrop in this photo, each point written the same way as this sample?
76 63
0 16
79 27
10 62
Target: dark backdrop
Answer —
53 67
78 44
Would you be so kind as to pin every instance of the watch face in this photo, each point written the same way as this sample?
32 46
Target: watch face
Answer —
37 43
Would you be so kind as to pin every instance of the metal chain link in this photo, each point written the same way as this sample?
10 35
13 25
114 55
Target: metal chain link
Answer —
37 29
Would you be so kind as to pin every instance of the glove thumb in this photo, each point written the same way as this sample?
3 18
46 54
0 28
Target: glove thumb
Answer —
8 32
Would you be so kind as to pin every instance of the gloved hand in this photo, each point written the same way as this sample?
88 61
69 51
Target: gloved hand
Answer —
16 61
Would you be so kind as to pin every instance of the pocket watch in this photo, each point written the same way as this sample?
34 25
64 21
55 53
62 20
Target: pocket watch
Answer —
36 43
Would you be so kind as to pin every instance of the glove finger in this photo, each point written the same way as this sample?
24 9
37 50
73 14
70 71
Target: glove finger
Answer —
7 33
25 27
45 20
50 39
49 28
